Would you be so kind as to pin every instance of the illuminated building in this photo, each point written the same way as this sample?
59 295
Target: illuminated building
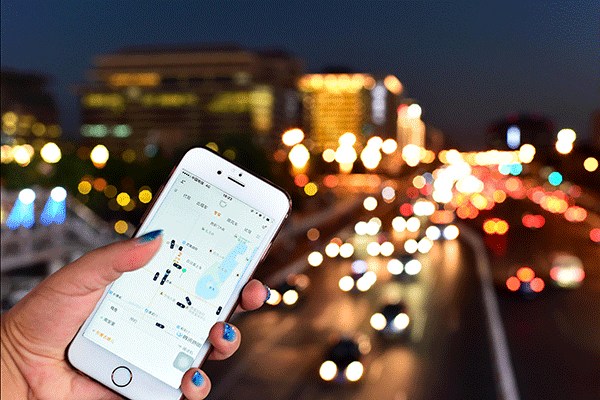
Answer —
29 113
410 127
174 98
336 103
515 130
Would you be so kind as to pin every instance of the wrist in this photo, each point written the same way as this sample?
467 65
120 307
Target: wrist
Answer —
13 384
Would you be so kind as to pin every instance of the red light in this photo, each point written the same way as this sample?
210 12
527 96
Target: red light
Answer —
406 210
513 284
525 274
537 285
301 180
595 235
330 181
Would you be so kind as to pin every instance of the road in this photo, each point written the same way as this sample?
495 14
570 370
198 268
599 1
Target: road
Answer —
446 355
553 340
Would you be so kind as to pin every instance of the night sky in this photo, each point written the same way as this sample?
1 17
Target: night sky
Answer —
466 63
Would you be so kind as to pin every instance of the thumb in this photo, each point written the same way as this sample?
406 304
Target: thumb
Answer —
97 269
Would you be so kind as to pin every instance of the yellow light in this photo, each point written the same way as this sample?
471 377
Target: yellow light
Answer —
411 154
329 155
590 164
84 187
371 157
328 370
564 147
51 153
128 156
419 182
315 259
292 137
134 79
299 156
311 189
378 321
526 153
9 118
347 139
392 84
389 146
145 196
332 250
414 111
290 297
21 155
370 203
121 226
99 155
213 146
7 156
345 155
566 135
123 199
38 129
110 191
230 154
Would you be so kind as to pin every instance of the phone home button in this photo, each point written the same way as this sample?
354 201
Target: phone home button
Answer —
121 376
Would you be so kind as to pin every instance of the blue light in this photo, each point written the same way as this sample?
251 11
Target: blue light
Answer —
22 213
55 210
555 178
516 169
504 169
513 137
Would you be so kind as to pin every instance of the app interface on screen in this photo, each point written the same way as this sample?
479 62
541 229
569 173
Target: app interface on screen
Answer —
157 318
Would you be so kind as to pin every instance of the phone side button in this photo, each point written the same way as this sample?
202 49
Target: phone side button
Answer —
121 376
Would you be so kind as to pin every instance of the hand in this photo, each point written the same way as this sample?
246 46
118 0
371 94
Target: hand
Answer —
38 329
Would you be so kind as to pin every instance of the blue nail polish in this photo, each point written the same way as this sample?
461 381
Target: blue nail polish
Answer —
150 236
268 293
197 379
228 333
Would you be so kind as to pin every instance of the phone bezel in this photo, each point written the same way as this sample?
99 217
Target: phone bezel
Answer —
258 193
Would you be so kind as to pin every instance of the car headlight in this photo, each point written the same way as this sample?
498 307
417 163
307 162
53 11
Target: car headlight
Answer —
401 321
275 298
290 297
378 321
346 283
354 371
328 370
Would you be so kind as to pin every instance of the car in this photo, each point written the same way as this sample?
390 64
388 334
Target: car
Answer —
343 360
391 321
404 266
289 293
566 270
525 282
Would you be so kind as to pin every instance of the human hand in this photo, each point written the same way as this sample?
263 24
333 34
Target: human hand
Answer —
36 331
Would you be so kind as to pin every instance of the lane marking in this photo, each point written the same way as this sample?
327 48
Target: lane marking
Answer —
506 383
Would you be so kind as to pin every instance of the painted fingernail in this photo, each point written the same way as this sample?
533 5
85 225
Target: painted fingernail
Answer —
197 379
150 236
268 293
228 333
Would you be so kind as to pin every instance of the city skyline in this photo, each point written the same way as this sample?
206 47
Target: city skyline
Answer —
467 65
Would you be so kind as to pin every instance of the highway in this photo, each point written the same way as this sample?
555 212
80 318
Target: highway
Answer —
553 339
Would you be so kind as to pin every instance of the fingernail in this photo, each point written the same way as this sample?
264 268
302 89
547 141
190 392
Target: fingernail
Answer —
149 236
197 379
268 293
228 333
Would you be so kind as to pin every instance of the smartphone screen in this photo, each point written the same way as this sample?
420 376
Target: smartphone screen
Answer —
157 318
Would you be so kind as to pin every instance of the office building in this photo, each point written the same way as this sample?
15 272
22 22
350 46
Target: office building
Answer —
336 103
29 112
147 98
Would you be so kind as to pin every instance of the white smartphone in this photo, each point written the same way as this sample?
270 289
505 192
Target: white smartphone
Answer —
152 325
